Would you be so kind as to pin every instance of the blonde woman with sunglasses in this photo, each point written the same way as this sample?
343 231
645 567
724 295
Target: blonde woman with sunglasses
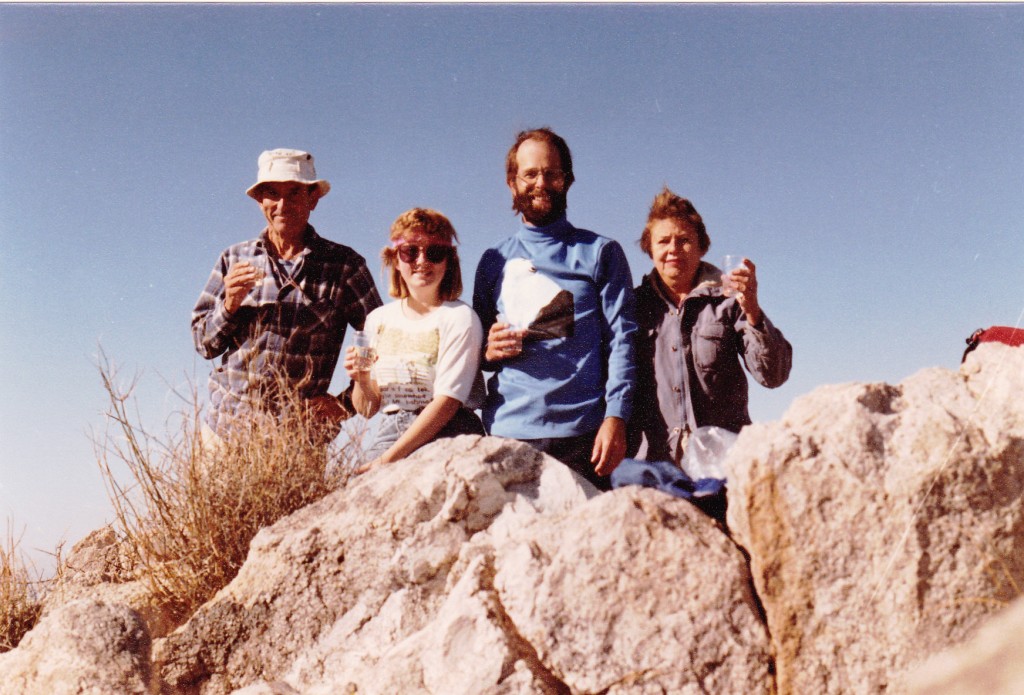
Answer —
425 381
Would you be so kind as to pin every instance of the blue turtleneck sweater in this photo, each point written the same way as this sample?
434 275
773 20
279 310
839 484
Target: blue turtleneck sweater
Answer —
577 366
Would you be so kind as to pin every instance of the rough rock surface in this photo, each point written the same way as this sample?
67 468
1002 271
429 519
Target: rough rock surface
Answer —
662 603
98 569
81 647
991 663
479 565
884 523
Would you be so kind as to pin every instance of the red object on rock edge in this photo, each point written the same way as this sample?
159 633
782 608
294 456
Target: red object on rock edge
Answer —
994 334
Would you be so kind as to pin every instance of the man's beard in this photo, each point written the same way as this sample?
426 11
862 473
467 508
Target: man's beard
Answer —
542 215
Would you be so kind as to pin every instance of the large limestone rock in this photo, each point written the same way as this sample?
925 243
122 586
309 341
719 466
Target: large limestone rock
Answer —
992 663
633 592
480 566
884 523
99 568
80 648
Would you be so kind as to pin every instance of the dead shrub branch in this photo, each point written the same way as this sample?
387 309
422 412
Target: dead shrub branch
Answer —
188 509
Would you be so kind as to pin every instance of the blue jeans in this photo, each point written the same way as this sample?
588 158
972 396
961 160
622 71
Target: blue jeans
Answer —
394 424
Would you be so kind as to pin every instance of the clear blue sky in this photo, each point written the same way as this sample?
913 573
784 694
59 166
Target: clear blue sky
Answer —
870 159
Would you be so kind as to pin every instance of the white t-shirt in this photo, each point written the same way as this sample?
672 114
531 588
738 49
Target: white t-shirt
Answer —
421 358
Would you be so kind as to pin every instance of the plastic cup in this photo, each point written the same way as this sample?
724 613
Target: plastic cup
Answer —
519 339
259 267
366 355
730 263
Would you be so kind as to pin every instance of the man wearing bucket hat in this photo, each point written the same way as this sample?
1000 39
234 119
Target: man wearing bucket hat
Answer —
275 308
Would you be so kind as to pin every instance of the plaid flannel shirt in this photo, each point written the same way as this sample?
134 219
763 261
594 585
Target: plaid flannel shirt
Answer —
290 325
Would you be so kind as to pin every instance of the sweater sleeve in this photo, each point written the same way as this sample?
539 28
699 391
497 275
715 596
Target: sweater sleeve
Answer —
619 308
488 274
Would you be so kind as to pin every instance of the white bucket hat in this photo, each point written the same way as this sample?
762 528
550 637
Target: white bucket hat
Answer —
287 165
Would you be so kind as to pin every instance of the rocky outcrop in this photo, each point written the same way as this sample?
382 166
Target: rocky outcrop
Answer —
478 565
883 522
81 648
99 568
873 528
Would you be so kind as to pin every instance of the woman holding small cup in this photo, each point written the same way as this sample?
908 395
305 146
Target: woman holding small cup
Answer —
425 379
696 326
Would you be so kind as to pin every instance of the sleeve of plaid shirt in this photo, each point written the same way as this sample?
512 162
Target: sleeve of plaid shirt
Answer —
212 325
361 297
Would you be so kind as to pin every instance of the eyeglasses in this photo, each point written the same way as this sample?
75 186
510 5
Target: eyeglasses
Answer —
555 176
434 253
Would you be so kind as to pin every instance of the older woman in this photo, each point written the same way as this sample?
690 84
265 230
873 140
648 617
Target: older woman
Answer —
693 337
426 378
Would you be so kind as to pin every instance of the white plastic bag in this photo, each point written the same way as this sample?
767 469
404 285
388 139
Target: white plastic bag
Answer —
705 453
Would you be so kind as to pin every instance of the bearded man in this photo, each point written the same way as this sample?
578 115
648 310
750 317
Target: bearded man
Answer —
557 304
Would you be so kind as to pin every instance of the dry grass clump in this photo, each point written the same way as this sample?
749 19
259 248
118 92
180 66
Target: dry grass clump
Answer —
190 510
20 602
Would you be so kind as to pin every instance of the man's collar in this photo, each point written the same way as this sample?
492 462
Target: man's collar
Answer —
310 239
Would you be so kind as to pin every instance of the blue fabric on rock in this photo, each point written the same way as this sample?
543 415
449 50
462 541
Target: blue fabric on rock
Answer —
662 475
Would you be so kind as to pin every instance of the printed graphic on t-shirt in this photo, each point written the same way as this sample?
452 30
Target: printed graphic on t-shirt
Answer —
405 366
533 301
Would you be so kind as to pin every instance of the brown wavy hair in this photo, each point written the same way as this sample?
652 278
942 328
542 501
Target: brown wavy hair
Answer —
429 223
669 206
